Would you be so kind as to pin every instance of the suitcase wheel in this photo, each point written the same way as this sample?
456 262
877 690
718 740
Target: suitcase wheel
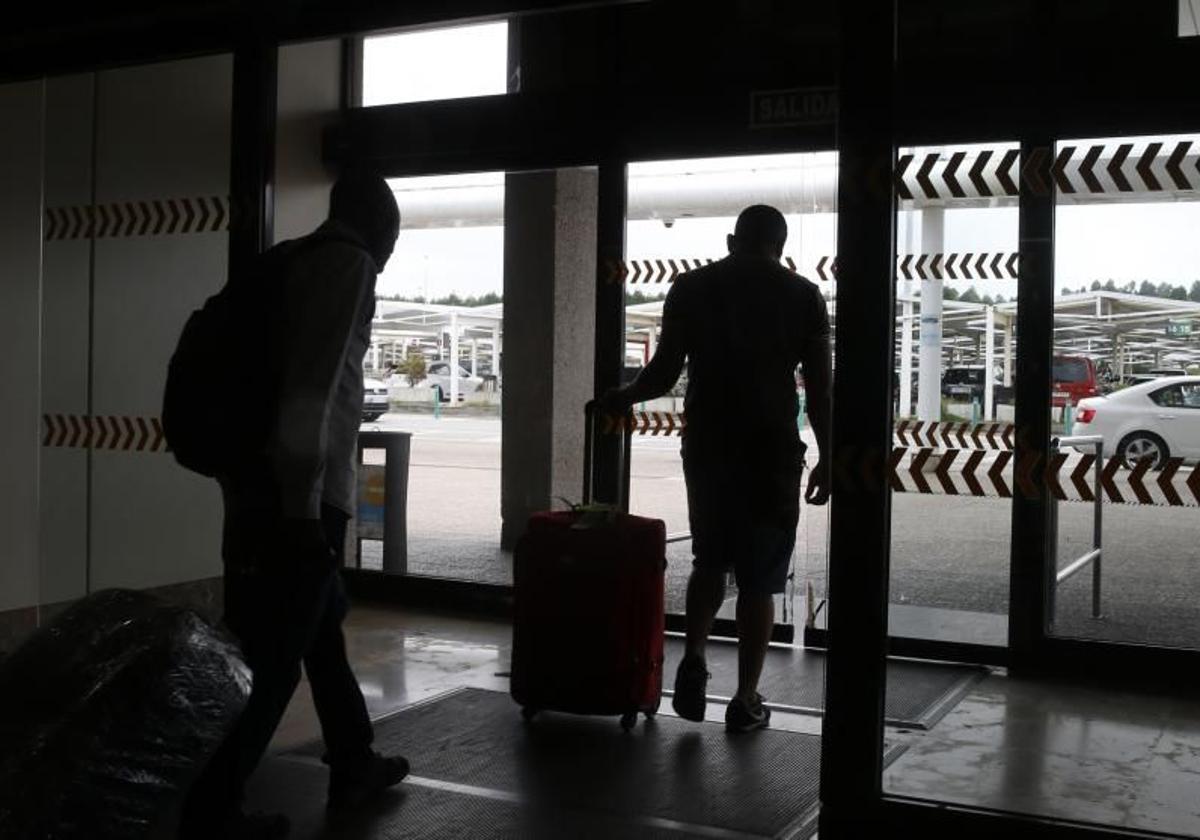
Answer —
628 720
528 713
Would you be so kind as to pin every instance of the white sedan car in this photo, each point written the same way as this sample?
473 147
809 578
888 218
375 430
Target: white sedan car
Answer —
1158 420
375 400
438 378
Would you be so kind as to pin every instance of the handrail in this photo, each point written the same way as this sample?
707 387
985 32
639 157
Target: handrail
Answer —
1095 556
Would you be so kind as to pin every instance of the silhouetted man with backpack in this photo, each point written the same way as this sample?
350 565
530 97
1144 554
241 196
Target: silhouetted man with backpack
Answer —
287 504
742 325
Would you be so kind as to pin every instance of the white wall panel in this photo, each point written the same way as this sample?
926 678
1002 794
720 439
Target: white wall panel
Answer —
163 132
21 114
65 351
308 100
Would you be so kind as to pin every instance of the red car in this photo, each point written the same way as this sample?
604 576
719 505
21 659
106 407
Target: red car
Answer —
1074 377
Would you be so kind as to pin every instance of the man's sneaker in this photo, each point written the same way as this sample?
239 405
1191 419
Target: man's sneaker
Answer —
351 787
239 826
741 716
691 688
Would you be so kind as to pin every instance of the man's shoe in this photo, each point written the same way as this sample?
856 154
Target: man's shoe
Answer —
239 826
352 786
741 716
691 688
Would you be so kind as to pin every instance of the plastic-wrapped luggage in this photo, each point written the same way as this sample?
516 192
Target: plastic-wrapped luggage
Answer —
588 610
108 714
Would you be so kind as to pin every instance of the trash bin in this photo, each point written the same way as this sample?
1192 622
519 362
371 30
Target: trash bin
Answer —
382 510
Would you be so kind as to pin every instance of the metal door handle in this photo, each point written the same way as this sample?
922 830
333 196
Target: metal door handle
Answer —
1166 417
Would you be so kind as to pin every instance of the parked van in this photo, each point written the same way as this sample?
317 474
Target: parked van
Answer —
1074 380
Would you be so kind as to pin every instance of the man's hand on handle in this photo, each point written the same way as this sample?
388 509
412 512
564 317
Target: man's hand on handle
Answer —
614 401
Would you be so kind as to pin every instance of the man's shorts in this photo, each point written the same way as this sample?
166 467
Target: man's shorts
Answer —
743 514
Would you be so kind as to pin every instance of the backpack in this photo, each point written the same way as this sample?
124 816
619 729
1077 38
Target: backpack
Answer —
221 396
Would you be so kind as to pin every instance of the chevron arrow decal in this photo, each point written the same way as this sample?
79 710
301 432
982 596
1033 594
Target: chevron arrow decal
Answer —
1166 481
1067 476
1106 480
1175 165
996 475
970 471
124 433
938 168
1145 166
1079 477
917 469
893 468
976 174
148 217
651 423
943 471
1034 172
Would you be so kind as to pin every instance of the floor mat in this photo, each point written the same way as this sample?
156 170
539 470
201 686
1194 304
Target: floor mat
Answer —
422 809
918 693
667 775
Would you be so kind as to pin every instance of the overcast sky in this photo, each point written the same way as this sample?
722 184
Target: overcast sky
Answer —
1155 241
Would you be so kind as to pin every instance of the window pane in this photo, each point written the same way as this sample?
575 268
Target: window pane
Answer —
956 323
1124 316
679 214
1189 18
448 63
440 297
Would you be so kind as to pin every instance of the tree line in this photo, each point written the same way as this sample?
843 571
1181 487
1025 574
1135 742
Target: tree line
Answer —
1145 289
448 300
1170 291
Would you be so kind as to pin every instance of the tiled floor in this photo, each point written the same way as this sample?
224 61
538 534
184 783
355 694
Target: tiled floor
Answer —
1116 758
1062 751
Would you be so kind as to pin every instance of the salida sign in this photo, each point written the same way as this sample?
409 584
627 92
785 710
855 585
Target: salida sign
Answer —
794 106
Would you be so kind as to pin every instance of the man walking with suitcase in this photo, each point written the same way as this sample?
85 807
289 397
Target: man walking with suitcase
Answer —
742 325
286 514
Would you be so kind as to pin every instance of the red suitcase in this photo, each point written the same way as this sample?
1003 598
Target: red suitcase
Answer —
588 619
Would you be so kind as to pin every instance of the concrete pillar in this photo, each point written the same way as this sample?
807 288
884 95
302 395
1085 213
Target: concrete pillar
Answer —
906 342
929 381
989 362
496 349
454 383
474 357
1007 334
549 317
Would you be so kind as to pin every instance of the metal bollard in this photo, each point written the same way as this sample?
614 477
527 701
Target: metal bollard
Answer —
393 529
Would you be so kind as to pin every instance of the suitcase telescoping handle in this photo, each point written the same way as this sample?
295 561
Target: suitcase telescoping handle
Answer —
591 411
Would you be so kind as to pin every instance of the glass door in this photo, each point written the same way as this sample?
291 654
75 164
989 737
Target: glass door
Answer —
950 468
1126 372
679 213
